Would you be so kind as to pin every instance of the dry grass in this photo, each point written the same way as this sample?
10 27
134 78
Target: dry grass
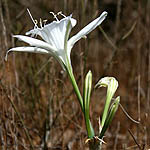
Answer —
43 95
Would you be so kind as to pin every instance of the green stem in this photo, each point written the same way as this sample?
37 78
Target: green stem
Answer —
75 86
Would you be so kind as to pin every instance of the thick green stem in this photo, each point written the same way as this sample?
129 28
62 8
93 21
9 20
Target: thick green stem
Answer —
75 86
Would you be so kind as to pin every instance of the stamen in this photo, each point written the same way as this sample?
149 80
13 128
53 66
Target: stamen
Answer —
35 23
44 21
55 16
41 23
60 13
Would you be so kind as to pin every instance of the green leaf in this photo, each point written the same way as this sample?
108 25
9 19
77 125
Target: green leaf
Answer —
87 90
110 116
86 103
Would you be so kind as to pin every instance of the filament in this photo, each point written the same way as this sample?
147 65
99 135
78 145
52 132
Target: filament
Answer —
34 21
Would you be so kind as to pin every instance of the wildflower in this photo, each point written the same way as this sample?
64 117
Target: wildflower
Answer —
55 37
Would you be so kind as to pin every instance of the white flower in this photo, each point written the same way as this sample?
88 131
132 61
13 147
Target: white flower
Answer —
55 37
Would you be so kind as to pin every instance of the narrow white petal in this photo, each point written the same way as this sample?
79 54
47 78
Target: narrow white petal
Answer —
37 50
27 49
87 29
35 42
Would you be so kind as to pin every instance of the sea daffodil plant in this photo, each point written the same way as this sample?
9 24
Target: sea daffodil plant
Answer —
57 43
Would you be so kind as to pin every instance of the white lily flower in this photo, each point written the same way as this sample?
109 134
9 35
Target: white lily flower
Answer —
55 37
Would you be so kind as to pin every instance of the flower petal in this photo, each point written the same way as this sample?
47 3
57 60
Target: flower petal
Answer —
54 33
87 29
66 48
35 42
37 50
27 49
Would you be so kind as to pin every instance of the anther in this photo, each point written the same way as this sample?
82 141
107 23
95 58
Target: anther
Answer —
55 16
60 13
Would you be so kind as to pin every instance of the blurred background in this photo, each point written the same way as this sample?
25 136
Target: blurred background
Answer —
36 87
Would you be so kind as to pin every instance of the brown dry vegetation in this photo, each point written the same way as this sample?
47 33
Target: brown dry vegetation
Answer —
41 92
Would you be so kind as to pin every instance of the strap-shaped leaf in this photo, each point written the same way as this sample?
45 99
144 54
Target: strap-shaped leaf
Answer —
86 103
110 116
